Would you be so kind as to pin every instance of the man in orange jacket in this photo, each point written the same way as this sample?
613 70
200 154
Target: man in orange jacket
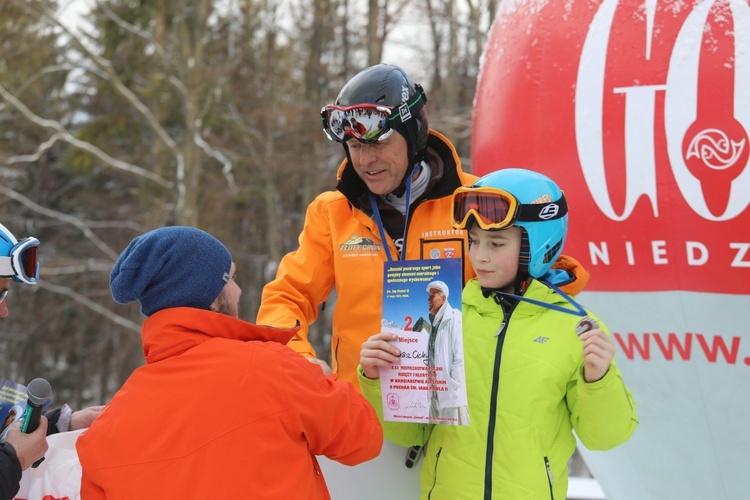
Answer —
222 408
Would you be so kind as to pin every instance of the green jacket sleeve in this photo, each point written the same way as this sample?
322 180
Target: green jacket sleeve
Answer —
602 412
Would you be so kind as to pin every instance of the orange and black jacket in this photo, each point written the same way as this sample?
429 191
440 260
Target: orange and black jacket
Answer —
341 247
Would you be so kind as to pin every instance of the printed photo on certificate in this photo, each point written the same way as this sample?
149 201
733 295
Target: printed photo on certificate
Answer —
422 305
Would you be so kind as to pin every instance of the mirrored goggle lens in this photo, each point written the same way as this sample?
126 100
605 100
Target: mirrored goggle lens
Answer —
29 262
492 209
366 123
25 262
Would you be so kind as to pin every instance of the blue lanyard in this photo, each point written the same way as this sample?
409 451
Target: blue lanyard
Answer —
578 311
379 221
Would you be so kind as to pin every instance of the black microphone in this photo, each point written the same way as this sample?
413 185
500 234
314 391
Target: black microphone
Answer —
38 392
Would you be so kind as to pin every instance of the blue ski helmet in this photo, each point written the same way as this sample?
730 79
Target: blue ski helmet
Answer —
541 213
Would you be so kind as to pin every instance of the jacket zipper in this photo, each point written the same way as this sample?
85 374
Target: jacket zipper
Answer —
434 472
493 408
549 478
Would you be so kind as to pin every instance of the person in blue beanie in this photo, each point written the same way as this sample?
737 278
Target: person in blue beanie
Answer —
278 411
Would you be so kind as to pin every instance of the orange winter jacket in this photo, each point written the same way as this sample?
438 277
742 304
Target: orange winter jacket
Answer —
222 409
340 246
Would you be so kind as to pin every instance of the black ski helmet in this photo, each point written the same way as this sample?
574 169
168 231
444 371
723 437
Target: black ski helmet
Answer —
389 85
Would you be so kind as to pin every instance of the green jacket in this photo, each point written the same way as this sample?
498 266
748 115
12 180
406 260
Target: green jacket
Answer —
526 394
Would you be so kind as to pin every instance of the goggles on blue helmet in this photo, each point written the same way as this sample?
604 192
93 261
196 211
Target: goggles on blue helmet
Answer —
494 208
18 259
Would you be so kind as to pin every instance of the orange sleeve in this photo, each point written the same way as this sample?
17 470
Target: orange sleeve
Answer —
338 422
303 281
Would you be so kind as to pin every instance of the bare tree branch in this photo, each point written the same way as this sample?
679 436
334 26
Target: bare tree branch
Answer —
94 306
179 84
87 232
218 156
63 134
134 101
91 266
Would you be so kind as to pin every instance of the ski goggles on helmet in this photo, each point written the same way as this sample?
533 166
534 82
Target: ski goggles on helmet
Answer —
494 208
368 122
364 122
21 263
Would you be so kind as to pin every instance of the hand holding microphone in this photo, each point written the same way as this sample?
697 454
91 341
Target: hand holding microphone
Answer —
29 448
38 392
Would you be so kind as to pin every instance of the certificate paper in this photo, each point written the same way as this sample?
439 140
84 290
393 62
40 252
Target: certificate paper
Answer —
428 385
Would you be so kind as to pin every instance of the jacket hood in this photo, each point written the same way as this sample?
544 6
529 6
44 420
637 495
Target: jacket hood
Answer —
576 271
172 331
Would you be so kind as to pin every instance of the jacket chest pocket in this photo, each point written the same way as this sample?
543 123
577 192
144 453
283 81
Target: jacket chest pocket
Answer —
450 246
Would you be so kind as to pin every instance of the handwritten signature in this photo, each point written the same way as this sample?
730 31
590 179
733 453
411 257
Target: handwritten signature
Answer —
416 405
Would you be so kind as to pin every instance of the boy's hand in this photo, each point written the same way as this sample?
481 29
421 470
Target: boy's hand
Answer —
82 419
377 351
598 351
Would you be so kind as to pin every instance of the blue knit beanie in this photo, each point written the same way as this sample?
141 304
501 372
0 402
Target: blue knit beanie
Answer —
171 267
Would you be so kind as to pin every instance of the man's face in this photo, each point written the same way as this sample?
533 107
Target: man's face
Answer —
435 300
4 284
382 164
228 301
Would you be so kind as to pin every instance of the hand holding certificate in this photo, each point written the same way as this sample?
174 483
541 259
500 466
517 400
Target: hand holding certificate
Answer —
421 368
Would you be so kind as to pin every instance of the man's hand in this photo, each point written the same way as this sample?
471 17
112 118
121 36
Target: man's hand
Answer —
323 365
82 419
29 447
377 351
598 351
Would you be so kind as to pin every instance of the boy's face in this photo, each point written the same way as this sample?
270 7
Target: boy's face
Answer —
494 256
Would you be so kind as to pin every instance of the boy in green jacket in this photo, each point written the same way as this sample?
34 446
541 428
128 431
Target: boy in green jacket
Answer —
538 365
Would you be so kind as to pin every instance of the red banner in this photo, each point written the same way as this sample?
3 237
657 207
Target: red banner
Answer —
640 112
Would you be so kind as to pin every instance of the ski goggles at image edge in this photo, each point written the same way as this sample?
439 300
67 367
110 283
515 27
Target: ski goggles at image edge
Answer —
495 208
365 122
21 264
